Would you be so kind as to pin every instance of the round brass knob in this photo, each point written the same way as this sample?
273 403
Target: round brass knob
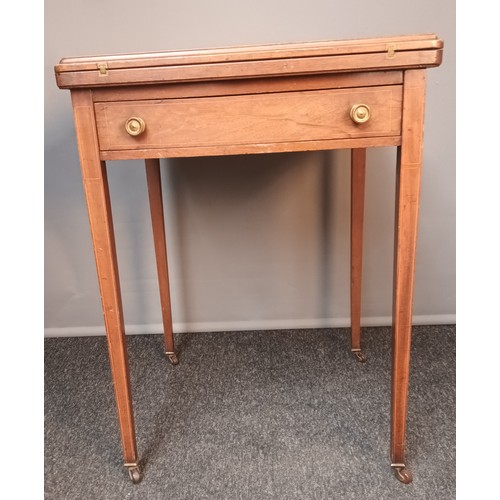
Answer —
135 126
360 113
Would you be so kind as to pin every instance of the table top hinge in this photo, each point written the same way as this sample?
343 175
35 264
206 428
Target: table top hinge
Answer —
103 69
391 51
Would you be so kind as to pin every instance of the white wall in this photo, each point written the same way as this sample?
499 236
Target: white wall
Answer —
254 241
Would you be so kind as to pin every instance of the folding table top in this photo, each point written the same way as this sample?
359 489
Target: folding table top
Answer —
336 56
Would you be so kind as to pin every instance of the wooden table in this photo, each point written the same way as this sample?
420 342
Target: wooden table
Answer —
257 99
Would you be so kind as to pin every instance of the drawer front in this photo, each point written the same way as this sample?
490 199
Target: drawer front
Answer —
250 119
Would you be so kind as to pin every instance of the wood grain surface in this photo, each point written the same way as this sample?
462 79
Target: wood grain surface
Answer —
95 185
246 100
409 170
250 119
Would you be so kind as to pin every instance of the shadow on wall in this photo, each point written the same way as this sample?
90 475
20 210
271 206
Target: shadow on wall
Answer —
250 238
284 217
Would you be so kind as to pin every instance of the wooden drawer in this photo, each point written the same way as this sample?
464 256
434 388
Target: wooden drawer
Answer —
250 119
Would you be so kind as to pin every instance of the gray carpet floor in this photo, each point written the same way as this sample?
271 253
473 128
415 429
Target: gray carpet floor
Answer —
250 415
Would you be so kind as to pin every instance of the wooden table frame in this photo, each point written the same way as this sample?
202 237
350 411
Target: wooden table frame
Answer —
261 99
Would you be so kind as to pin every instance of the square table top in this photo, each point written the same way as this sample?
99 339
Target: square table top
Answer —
251 61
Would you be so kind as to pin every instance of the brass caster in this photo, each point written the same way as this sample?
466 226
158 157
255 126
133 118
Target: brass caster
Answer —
135 474
359 356
403 475
172 357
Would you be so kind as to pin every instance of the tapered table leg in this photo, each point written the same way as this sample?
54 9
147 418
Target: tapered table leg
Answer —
358 168
407 202
153 176
101 224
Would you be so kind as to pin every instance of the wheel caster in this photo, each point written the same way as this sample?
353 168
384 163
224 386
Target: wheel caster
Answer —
403 475
172 357
135 474
359 356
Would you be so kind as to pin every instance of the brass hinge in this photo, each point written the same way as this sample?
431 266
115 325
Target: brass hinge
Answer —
103 69
391 51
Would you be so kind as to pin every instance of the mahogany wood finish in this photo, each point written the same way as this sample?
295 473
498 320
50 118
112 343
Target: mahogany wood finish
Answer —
358 170
253 86
244 100
252 62
95 184
407 200
153 176
253 52
241 149
226 121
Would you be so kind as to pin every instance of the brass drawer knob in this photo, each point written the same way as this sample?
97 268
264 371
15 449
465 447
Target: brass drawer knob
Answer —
135 126
360 113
